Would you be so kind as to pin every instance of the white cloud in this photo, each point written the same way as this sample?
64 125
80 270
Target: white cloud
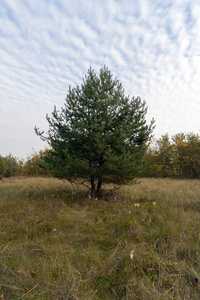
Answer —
45 46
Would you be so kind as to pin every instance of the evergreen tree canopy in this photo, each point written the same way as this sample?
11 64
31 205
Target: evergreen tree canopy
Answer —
100 135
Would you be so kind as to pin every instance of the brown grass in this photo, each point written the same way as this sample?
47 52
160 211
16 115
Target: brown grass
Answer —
55 243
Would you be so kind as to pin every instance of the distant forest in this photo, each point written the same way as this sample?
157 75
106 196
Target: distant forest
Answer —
175 157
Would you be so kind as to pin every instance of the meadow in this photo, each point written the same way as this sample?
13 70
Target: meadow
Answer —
138 242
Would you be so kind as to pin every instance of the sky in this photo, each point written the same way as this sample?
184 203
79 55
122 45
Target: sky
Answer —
151 46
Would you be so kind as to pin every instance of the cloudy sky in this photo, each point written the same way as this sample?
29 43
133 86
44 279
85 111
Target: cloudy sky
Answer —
151 46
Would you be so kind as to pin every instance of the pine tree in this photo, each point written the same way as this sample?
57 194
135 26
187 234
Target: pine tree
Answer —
99 136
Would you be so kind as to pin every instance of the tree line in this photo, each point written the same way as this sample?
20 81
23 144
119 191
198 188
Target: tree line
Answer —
175 157
11 166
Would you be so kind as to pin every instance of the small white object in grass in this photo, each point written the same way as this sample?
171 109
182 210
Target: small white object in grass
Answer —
54 230
137 204
132 254
154 203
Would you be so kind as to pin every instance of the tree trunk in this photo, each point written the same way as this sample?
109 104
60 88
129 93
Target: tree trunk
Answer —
92 187
98 191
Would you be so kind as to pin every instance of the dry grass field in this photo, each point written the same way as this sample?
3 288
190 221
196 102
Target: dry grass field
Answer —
141 243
